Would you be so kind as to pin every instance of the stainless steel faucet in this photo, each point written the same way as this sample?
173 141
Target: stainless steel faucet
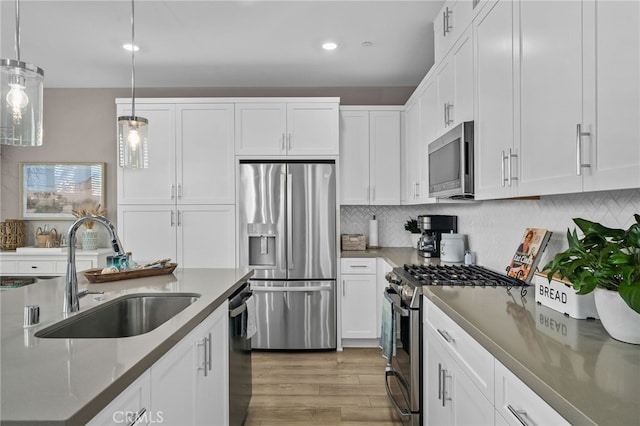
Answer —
71 299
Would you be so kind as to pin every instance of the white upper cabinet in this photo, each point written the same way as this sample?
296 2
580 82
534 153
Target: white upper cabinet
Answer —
287 128
550 96
370 156
155 185
354 157
571 124
204 155
612 103
190 156
494 100
455 85
450 23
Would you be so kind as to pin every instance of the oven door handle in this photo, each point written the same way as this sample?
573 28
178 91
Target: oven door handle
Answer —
404 412
402 311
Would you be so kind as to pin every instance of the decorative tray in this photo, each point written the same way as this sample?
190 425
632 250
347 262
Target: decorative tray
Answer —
96 275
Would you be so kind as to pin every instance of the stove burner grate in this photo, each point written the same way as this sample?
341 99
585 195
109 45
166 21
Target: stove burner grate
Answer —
460 275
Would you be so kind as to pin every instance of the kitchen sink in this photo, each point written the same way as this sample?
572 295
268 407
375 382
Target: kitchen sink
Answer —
125 316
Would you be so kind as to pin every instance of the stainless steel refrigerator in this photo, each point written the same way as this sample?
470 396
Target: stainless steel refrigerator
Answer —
287 220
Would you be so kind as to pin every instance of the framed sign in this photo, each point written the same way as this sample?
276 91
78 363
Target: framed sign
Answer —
54 190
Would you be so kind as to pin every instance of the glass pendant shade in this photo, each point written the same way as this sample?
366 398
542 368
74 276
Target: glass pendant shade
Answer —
132 142
21 95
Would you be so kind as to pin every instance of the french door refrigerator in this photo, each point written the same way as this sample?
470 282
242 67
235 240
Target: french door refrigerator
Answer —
287 234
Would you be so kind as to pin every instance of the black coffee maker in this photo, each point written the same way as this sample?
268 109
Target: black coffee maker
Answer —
432 227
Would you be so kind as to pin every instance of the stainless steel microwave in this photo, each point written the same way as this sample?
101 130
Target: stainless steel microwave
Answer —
451 163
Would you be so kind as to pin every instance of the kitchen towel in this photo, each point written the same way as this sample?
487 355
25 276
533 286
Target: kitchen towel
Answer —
373 232
251 317
388 332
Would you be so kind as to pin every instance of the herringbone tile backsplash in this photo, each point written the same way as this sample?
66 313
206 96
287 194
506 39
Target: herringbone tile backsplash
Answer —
494 228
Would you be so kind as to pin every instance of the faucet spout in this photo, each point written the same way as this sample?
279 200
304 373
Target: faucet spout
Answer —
71 299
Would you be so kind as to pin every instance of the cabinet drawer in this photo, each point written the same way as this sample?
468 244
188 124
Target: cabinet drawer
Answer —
474 360
358 265
134 402
518 404
81 265
35 267
8 267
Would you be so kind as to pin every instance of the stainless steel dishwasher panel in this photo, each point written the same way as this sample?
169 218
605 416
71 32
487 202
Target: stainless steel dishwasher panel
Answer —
295 314
240 381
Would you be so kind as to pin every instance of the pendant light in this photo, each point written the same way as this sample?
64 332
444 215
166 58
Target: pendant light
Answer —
132 130
21 93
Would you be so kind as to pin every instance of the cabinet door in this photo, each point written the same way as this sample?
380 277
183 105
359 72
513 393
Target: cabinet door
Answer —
205 154
550 96
260 128
206 236
445 96
212 389
462 63
384 157
494 98
134 402
612 106
359 307
173 384
451 398
408 149
149 232
354 157
312 129
518 404
430 116
156 184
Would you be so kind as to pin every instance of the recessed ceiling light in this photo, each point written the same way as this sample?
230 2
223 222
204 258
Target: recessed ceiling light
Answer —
367 43
329 45
127 47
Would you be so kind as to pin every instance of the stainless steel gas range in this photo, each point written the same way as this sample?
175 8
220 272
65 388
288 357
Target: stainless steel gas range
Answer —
403 374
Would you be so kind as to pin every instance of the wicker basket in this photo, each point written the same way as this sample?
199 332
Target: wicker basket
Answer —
353 242
12 234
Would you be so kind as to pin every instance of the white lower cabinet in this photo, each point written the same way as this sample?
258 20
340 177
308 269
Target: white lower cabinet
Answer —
458 375
132 406
51 264
465 385
451 398
189 385
518 404
359 304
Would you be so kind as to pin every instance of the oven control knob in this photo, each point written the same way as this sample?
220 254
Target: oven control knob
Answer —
393 278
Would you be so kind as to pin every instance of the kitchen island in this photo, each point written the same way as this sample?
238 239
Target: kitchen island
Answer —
68 381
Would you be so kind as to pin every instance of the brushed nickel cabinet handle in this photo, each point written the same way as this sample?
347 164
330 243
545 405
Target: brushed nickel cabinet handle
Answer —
579 163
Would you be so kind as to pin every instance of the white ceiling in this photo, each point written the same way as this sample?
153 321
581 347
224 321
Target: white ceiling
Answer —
212 43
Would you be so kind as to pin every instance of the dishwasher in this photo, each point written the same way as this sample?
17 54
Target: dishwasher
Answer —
239 357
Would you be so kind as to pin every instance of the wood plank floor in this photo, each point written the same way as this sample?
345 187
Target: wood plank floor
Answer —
327 388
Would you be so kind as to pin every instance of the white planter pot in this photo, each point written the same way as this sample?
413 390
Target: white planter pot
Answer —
414 239
621 322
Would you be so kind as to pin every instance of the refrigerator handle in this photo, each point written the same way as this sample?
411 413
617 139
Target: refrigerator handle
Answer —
289 221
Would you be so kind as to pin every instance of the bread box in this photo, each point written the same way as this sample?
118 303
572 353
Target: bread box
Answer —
559 295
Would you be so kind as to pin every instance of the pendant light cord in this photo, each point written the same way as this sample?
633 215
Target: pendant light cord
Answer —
133 62
17 41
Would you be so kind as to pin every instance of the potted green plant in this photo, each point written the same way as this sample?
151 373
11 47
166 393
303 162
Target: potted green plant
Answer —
411 225
607 261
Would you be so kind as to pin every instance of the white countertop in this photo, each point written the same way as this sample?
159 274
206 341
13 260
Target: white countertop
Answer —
68 381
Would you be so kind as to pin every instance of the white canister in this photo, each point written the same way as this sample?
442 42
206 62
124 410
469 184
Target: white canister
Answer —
452 248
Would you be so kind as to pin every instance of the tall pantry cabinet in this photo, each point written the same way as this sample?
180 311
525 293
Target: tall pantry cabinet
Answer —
183 205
